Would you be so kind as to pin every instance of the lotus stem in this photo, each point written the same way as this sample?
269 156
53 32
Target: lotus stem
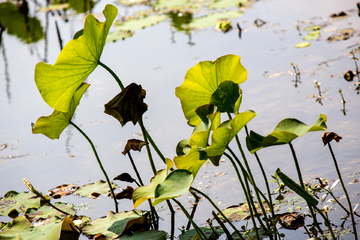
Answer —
218 210
143 130
197 199
113 74
100 164
303 186
172 231
197 229
345 191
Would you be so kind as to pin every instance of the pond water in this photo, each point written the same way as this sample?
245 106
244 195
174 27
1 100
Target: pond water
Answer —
158 58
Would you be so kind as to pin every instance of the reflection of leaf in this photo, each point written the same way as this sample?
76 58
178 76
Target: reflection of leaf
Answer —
133 144
139 23
188 235
202 80
52 126
94 189
21 228
14 203
27 28
114 224
57 83
286 131
128 105
213 18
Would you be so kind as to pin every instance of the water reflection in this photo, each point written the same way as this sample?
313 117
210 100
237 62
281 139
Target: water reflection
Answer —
7 75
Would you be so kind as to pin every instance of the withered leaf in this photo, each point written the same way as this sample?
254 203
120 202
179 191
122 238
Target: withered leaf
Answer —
125 177
128 105
62 190
125 194
329 136
292 221
133 144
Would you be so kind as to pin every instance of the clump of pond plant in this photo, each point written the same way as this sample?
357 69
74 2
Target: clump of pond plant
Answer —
209 93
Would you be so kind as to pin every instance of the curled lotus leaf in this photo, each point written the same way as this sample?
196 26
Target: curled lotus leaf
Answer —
128 105
53 125
202 80
327 137
78 59
286 131
144 193
133 144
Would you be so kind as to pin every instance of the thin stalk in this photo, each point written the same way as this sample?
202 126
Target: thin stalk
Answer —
100 164
141 124
229 237
218 210
197 199
113 74
337 201
345 191
151 141
265 179
326 222
172 233
135 168
303 186
247 177
197 229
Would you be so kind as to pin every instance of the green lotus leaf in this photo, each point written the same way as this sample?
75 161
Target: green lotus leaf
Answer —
138 23
189 235
52 126
226 4
296 188
224 133
226 96
57 83
81 6
202 80
213 18
114 224
118 35
14 203
240 212
144 193
21 228
250 234
27 29
286 131
94 189
176 183
152 234
46 211
192 161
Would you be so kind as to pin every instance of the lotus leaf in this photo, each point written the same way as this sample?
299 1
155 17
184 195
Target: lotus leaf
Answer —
52 126
302 44
144 193
21 228
251 234
226 4
241 211
176 183
188 235
138 23
46 211
152 234
118 35
213 18
114 224
312 36
285 132
14 203
202 80
57 83
94 189
192 161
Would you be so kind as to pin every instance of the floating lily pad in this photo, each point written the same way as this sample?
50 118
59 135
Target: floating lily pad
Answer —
251 234
57 83
312 36
114 224
213 18
343 34
152 234
240 212
14 203
94 190
130 3
63 190
21 228
139 23
118 35
226 4
313 28
48 211
188 235
302 44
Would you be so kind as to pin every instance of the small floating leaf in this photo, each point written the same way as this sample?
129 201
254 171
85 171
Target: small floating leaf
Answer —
118 35
63 190
240 212
94 189
190 234
14 203
139 23
302 44
46 211
212 19
312 36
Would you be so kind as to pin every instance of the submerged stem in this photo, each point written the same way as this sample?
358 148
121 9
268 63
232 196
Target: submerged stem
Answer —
100 164
345 191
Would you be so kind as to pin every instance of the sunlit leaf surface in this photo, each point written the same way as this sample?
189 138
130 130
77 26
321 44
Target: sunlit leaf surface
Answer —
14 203
46 211
57 83
94 189
52 126
286 131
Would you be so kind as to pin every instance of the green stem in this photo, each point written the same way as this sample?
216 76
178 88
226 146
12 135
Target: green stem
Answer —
143 130
337 201
100 164
197 229
218 210
197 199
172 231
303 186
135 169
326 222
113 74
345 191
